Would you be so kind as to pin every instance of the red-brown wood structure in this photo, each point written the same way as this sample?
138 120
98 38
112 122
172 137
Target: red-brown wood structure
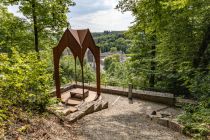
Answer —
78 41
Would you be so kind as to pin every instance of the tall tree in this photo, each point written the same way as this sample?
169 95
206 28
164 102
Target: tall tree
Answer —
14 32
146 28
174 37
45 16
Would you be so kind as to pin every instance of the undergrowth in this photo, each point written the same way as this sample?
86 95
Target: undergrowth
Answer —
25 81
196 119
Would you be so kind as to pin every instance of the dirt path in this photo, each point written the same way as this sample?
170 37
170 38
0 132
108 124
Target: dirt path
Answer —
124 120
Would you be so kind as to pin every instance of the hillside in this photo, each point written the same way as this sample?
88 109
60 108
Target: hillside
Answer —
111 39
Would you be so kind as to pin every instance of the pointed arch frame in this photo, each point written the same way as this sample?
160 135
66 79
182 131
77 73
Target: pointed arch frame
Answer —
78 41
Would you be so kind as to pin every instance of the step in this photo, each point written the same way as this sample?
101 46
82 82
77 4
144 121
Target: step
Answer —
73 117
97 106
84 109
62 109
105 104
68 110
66 99
87 107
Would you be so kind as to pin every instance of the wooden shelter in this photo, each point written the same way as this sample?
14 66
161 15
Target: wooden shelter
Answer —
78 41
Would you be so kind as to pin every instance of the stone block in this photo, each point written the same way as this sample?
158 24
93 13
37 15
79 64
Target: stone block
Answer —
87 108
105 105
61 109
155 118
175 126
84 105
97 106
73 117
84 109
68 110
163 121
78 93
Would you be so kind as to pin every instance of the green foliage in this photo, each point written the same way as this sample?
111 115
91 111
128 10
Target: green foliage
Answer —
116 72
113 49
196 119
67 70
50 14
14 32
111 59
46 18
25 81
169 42
108 40
89 72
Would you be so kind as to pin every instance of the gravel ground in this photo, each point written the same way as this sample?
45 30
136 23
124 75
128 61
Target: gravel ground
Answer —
124 120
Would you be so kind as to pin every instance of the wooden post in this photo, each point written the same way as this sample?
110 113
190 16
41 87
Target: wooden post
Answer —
75 60
83 82
129 91
56 74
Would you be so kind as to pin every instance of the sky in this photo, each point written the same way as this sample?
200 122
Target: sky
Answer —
97 15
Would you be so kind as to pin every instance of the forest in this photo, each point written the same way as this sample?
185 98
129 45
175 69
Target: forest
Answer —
112 39
167 49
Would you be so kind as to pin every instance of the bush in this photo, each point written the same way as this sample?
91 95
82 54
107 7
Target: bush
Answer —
24 82
196 119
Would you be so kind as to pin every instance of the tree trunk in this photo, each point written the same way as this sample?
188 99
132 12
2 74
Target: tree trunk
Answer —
36 36
152 67
202 48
